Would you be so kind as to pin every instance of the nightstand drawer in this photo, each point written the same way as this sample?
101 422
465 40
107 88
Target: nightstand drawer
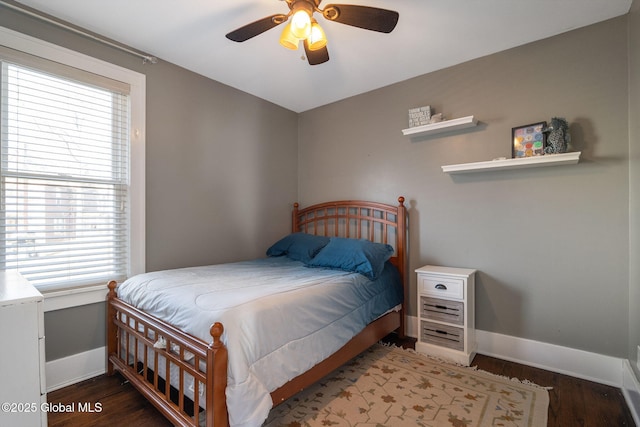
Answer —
442 335
442 310
436 286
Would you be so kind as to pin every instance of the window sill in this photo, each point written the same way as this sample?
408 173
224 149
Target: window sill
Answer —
73 297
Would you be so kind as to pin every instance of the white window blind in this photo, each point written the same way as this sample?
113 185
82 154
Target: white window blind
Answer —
64 176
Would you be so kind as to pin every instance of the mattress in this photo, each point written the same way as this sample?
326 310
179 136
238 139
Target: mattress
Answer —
281 318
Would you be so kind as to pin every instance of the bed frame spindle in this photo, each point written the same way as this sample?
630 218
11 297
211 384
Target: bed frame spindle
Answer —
129 327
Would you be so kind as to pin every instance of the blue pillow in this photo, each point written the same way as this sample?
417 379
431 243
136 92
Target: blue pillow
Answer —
359 256
298 246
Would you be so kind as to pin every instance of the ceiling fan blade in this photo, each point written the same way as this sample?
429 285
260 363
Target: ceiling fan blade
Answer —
369 18
255 28
316 57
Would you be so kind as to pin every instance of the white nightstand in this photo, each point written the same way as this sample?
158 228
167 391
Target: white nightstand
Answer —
446 316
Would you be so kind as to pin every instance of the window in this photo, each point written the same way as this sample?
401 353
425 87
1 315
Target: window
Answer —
64 178
70 214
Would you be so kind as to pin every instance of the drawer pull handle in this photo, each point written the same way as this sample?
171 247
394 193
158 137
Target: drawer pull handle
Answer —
441 332
441 287
442 307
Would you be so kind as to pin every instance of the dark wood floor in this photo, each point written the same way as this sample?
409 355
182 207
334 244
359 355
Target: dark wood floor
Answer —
572 402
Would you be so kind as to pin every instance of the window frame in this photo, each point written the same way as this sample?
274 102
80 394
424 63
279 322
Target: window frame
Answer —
69 297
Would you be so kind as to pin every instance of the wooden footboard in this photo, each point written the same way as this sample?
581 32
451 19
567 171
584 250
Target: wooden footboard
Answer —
136 350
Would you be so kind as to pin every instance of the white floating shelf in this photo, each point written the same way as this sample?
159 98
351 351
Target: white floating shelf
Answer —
519 163
440 127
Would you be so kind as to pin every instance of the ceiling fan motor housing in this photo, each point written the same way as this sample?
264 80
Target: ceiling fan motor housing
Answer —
305 5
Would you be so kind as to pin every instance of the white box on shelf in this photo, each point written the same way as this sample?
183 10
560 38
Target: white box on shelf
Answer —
419 116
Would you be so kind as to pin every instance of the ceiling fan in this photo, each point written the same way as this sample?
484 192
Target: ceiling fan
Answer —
303 26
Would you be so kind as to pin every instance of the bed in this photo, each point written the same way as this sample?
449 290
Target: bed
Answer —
220 345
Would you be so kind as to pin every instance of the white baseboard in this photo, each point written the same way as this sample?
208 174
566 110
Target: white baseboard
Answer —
564 360
631 391
75 368
411 326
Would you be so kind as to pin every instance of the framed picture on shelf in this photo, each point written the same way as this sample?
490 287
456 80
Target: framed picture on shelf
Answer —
528 140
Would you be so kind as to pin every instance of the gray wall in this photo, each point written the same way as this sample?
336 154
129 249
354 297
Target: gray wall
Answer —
221 175
221 170
74 330
550 244
634 184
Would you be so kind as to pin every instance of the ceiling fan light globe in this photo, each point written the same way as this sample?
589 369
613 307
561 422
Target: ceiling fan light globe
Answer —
317 38
287 39
301 24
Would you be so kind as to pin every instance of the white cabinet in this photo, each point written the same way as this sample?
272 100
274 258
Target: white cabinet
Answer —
22 361
446 316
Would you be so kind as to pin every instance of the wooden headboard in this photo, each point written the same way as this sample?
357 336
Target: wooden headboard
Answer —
378 222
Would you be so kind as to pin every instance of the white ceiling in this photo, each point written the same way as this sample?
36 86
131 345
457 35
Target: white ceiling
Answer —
430 35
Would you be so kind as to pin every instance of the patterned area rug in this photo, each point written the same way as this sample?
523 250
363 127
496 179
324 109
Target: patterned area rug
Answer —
389 386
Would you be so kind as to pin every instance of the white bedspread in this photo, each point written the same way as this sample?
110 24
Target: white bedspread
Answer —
280 317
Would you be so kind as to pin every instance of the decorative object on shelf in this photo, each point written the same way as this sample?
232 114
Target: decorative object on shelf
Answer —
528 140
558 137
436 118
419 116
